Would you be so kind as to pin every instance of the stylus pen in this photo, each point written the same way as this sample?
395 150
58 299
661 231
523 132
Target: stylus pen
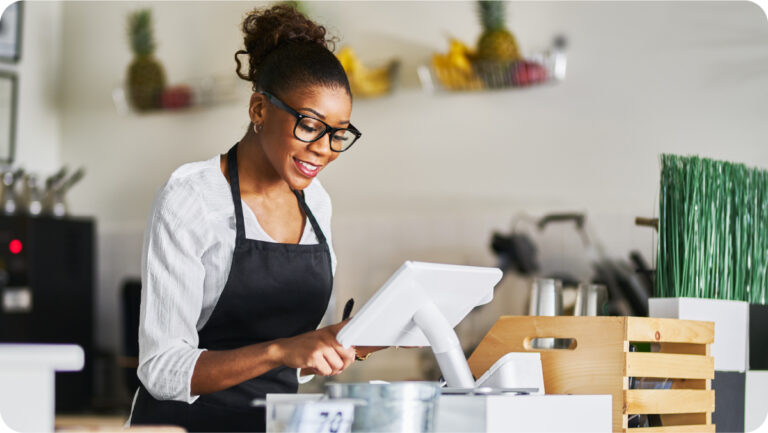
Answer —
347 309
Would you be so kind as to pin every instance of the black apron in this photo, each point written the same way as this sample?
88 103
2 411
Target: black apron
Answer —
273 291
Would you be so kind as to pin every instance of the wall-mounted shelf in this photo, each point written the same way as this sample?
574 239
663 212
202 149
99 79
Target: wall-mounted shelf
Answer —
194 93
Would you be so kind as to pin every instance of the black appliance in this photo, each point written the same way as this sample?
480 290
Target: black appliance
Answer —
131 294
46 287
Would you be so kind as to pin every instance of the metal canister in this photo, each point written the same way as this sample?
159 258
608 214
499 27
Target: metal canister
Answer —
591 300
546 300
546 297
389 407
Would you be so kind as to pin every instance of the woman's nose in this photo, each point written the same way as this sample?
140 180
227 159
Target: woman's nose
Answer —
321 146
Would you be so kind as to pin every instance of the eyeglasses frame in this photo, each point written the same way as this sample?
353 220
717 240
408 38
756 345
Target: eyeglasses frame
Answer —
328 128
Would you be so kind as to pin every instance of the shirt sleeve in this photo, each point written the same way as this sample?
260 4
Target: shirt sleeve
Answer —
172 293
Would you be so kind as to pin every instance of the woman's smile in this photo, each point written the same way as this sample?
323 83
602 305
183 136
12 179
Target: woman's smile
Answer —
307 168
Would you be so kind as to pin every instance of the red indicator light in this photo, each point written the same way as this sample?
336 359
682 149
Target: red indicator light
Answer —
15 246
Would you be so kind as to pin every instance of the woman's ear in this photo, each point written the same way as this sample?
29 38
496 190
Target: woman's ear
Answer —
256 108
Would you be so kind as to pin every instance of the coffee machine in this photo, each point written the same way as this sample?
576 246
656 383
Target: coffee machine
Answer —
46 291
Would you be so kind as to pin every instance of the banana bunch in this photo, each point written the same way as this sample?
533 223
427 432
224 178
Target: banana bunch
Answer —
366 82
454 69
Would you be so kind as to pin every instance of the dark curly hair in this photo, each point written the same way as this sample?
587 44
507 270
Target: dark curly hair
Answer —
287 50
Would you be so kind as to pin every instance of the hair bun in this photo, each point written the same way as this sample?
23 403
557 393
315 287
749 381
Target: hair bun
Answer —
267 29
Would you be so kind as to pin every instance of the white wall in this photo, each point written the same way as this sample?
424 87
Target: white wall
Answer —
38 74
434 174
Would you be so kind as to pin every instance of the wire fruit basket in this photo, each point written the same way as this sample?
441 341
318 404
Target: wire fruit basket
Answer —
450 75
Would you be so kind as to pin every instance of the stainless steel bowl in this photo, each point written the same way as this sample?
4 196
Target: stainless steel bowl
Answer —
390 407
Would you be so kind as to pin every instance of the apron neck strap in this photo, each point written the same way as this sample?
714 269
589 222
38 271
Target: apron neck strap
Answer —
234 185
312 220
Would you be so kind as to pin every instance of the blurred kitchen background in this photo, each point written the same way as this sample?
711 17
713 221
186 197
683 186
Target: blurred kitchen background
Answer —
436 173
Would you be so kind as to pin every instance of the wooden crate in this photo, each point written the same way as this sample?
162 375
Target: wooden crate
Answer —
599 362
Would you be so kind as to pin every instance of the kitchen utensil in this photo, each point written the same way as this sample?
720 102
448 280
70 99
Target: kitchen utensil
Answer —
395 406
9 199
10 192
628 294
55 203
32 197
591 300
51 184
55 178
515 251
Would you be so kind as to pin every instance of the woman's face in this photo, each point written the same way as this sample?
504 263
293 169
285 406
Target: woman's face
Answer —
298 162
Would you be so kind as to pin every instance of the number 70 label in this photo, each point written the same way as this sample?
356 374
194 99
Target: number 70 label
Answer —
323 417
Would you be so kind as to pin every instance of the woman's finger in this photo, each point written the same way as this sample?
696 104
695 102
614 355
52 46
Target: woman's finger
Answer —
348 356
334 360
320 364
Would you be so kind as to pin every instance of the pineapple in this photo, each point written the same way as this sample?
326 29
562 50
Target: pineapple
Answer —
146 78
496 42
497 47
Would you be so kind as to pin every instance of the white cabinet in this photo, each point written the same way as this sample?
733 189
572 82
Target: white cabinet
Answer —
27 374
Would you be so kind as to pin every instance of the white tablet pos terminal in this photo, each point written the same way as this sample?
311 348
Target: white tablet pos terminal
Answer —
420 305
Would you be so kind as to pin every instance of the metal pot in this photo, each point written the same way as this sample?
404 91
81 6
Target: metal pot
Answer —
390 407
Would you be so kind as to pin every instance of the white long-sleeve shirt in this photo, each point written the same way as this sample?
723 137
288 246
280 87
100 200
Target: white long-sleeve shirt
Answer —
187 254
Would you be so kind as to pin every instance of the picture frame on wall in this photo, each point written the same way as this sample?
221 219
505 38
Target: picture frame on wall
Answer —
10 33
8 107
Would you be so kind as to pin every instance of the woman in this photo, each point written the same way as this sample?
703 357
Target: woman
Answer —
238 264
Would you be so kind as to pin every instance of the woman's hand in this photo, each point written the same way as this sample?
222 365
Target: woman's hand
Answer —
317 351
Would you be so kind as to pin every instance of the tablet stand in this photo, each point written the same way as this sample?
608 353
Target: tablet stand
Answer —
445 345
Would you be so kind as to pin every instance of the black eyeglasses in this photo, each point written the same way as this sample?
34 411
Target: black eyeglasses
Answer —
309 129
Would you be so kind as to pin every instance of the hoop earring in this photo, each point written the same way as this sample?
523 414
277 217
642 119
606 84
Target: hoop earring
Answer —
257 127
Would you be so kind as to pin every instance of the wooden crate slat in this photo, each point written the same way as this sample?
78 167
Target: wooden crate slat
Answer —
687 348
667 365
691 383
701 428
686 419
663 401
670 330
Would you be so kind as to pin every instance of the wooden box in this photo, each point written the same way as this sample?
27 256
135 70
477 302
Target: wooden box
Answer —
598 360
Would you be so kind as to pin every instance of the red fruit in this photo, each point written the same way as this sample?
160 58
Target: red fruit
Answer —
520 73
175 97
536 73
525 73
